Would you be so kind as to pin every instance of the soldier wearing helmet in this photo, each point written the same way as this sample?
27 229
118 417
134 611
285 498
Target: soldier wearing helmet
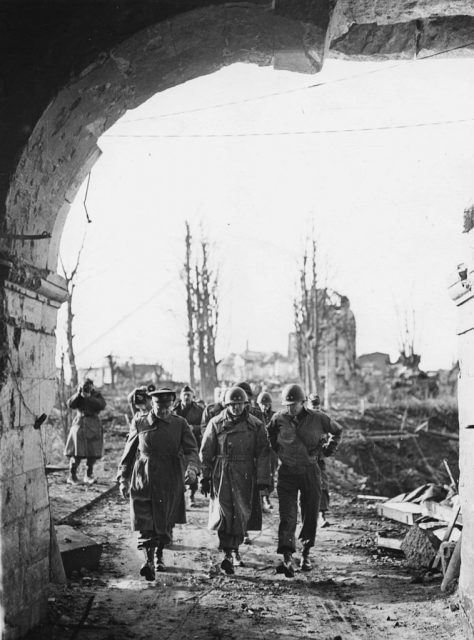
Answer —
296 435
328 448
187 408
150 474
235 466
264 401
254 410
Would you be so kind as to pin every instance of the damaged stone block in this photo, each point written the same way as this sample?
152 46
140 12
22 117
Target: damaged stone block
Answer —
420 547
77 550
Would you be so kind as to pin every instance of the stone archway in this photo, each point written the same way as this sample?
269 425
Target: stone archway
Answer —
59 153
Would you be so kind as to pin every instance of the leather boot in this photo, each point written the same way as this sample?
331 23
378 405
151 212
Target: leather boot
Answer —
159 563
147 570
286 566
305 561
228 563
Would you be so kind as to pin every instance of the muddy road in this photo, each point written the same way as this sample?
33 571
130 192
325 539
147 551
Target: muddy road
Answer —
351 593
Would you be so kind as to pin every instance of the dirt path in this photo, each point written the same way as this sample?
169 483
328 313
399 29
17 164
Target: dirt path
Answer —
349 594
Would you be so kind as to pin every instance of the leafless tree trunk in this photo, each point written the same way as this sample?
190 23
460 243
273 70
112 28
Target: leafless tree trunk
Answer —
62 400
189 304
70 285
202 311
113 368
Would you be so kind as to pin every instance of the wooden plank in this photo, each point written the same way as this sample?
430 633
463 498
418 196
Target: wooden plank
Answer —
361 496
399 511
389 543
439 511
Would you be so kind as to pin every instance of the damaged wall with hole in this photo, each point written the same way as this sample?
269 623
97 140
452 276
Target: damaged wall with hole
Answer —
69 71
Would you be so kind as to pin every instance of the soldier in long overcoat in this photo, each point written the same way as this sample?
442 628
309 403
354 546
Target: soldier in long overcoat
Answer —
150 473
235 466
86 436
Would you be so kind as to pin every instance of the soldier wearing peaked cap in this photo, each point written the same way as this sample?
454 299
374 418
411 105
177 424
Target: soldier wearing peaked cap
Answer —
296 434
150 474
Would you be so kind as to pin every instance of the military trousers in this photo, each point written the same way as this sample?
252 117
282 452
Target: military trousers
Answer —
307 485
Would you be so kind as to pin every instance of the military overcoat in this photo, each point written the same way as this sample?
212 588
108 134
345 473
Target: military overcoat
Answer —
151 462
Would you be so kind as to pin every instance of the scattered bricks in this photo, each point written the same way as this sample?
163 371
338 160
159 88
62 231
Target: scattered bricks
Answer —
77 549
13 498
35 536
420 547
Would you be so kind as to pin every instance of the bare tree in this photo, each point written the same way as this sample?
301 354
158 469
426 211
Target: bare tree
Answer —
70 279
189 304
202 310
322 320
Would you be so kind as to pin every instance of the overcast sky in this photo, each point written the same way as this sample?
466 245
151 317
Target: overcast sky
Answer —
384 194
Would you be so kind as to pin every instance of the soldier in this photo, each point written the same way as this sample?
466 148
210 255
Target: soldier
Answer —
86 436
150 473
328 448
255 411
211 410
295 434
188 409
235 458
138 400
264 401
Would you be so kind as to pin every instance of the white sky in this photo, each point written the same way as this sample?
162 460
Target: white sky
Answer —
386 206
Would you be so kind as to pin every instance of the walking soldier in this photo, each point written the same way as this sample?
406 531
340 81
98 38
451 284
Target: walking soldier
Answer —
235 458
86 436
296 435
188 409
150 473
264 401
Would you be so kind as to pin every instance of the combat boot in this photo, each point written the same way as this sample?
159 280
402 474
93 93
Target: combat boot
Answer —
305 564
159 562
89 479
286 566
147 570
227 564
237 559
72 477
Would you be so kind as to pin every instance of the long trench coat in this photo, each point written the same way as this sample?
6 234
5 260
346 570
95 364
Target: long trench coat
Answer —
86 436
235 455
151 461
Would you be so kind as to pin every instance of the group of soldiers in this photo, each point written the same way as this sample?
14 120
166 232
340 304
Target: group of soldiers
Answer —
233 450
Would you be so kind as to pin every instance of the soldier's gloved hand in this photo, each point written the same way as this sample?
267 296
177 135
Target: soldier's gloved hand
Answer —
190 477
206 486
124 488
329 448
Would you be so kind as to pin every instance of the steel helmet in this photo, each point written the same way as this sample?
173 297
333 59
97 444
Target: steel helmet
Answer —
246 387
235 394
264 396
292 393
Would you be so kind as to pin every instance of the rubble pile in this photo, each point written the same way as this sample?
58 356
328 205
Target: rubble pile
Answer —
400 450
